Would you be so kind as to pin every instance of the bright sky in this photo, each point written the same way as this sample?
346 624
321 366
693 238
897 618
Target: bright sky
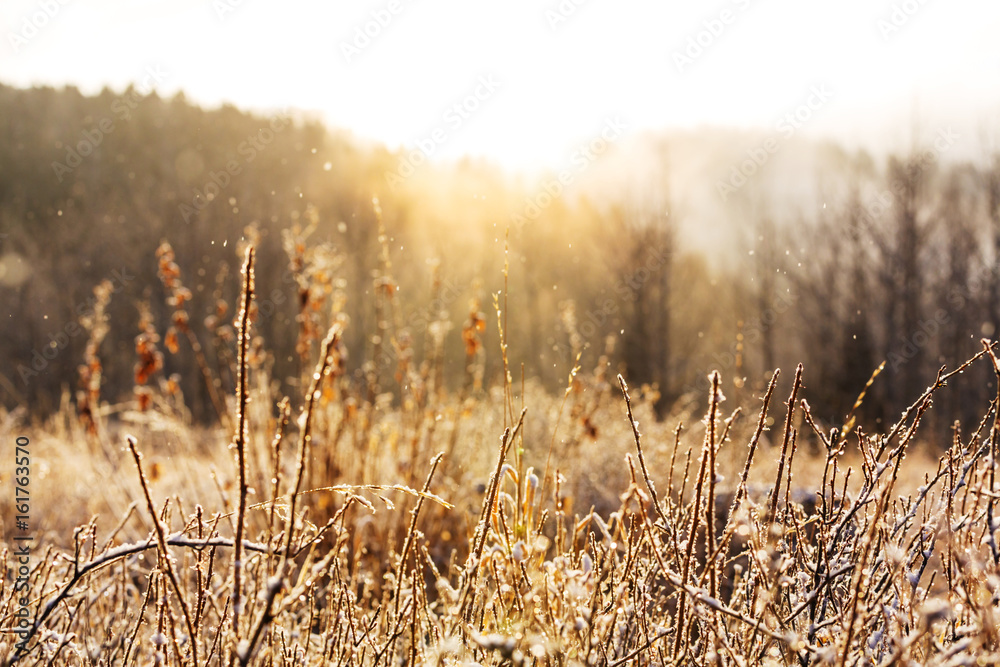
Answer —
553 81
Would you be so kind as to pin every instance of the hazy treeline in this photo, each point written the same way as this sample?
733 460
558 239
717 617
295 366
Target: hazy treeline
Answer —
892 261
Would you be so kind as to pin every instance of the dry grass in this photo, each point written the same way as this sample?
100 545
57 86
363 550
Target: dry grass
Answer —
540 530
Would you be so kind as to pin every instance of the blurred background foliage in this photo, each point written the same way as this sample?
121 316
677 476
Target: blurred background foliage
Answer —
833 258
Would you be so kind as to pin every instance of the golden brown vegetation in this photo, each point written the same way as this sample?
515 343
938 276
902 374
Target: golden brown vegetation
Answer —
728 544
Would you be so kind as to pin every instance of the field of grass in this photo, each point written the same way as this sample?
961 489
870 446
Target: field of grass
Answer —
363 523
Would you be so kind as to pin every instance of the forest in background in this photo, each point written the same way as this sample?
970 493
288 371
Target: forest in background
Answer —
862 261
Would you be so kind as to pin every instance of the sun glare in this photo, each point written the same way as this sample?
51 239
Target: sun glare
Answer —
392 71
